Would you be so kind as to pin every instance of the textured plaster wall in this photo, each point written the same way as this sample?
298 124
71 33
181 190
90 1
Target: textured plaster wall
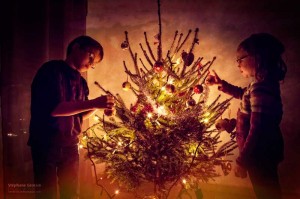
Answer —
222 24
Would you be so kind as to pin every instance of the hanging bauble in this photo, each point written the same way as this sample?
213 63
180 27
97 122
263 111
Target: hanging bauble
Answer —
198 89
231 125
221 124
108 112
226 168
126 86
170 88
187 58
124 45
191 102
226 124
158 66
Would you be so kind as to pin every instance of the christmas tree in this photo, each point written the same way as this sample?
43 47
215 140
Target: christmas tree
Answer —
171 134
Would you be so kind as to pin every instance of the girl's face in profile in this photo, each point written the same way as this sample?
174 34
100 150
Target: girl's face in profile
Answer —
246 63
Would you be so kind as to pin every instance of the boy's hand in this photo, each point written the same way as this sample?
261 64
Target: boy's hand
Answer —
105 101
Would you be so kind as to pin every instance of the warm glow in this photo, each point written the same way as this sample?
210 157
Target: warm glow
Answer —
206 114
184 181
170 81
117 192
149 115
178 61
96 118
161 110
206 120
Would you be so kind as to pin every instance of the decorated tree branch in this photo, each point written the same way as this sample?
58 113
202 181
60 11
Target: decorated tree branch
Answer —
169 135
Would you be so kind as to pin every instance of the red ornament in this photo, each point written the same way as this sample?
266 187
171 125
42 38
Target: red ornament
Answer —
200 66
170 88
198 89
158 66
226 124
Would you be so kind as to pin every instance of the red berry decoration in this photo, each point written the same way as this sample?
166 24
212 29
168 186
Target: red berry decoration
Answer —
158 66
198 89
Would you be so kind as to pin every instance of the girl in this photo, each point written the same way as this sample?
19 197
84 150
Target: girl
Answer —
258 119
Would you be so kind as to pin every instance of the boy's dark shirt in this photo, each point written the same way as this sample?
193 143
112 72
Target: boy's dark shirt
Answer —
55 82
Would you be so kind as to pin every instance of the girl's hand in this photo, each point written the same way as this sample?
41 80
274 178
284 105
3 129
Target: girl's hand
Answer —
213 79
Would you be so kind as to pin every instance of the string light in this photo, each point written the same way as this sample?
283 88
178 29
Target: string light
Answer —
12 135
96 117
207 114
161 110
206 120
178 61
149 115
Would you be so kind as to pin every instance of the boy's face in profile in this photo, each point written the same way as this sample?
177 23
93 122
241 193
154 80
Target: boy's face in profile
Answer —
86 58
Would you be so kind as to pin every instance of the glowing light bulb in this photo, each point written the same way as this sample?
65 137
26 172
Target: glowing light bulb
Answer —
96 118
120 143
161 110
206 120
80 146
117 192
206 114
170 81
184 181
